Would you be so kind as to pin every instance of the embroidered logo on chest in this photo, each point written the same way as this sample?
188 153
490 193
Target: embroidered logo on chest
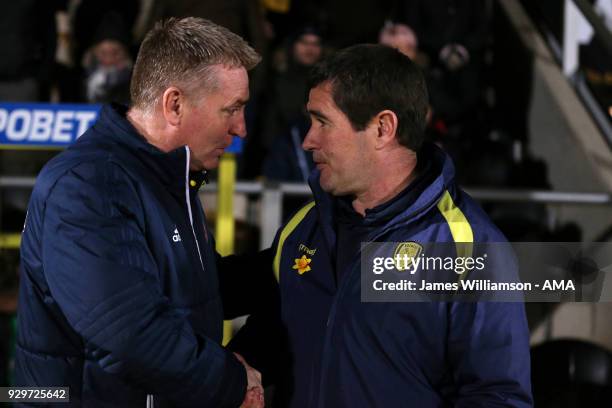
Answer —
176 237
302 265
308 251
405 255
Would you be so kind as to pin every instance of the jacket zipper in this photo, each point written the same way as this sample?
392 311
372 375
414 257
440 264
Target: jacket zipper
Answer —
150 399
331 317
187 198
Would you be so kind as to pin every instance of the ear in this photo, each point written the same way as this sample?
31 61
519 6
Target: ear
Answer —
173 105
386 126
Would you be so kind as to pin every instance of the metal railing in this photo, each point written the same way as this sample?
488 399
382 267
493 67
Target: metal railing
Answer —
272 194
270 217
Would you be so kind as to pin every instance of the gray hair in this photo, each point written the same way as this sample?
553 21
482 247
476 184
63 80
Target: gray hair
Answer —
182 52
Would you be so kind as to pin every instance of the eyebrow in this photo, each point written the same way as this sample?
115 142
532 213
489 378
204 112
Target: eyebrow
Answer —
239 102
318 114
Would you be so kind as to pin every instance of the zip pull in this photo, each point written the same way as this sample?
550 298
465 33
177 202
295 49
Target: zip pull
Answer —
150 401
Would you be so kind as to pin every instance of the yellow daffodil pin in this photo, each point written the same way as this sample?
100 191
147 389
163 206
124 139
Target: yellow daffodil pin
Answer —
302 264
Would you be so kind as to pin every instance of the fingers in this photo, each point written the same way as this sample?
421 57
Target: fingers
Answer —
253 376
256 373
254 398
240 358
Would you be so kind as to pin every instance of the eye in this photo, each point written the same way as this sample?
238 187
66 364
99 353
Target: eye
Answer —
318 121
232 110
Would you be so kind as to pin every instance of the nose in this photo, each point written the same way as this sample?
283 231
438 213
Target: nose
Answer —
310 142
238 126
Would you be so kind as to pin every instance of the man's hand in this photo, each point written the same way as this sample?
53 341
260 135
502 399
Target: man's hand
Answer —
254 397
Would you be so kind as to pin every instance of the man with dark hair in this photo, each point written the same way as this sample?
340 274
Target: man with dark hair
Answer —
378 181
363 87
120 296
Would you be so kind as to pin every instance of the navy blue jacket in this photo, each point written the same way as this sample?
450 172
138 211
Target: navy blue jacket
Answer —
119 292
347 353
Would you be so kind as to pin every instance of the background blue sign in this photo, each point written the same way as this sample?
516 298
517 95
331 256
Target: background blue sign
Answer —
44 124
52 125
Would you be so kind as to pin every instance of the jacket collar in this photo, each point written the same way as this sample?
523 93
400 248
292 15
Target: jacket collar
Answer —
168 167
443 178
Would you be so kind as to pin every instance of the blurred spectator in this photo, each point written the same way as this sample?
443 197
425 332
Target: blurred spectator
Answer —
108 63
400 37
90 20
307 47
90 14
452 32
287 90
453 35
284 107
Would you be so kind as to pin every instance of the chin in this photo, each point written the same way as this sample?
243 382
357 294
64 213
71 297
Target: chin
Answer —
210 166
327 186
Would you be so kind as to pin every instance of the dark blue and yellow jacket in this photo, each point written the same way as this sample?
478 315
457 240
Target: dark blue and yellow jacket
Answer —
347 353
120 295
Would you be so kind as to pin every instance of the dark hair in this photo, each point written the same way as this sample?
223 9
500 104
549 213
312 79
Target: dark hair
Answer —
367 79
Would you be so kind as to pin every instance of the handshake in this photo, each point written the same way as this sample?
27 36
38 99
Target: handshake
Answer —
254 397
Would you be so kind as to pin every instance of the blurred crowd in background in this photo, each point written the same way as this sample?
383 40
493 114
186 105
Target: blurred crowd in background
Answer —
82 51
87 53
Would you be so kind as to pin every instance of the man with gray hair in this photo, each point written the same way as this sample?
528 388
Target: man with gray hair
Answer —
119 297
